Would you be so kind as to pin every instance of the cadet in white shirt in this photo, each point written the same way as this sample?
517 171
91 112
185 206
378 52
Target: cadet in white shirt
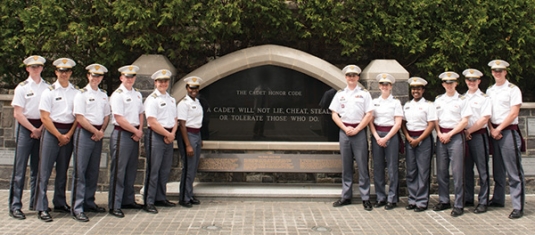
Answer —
418 122
92 111
506 140
127 110
352 111
56 146
477 140
453 114
160 109
190 115
387 116
26 111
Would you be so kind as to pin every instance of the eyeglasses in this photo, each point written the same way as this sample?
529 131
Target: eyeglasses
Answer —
351 75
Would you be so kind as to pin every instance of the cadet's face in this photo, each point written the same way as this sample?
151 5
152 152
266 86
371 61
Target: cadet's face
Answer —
162 85
34 70
95 79
385 87
450 87
192 92
128 82
473 85
417 92
352 79
499 75
63 75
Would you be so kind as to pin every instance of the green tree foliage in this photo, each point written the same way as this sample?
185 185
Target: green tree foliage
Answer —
426 36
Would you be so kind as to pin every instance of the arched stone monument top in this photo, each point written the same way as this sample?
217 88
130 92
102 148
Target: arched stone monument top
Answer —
264 55
389 66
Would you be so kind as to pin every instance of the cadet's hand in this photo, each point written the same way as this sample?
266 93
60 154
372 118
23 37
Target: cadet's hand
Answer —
468 136
189 151
413 142
36 134
63 140
496 134
382 142
98 136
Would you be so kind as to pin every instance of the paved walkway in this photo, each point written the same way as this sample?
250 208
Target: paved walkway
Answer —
273 216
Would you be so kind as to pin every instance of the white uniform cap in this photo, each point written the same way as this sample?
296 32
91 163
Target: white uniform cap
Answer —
498 64
351 69
385 77
472 74
193 82
34 59
129 70
161 74
96 69
64 63
417 81
449 77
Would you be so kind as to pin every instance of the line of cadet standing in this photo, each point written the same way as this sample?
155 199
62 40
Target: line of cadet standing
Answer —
462 124
58 121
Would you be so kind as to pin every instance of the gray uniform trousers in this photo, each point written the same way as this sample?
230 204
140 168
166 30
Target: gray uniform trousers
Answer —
27 149
159 159
86 162
452 152
388 154
51 153
355 148
189 165
507 157
124 158
418 162
478 154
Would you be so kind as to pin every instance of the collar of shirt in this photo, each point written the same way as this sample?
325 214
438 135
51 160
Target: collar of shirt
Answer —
126 90
421 101
478 93
454 97
390 97
57 85
357 89
505 84
31 81
88 88
158 93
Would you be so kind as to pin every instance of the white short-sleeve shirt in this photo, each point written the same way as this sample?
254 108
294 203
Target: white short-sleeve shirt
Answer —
59 102
385 110
503 98
162 107
481 106
451 110
418 114
190 110
28 95
127 103
92 104
352 105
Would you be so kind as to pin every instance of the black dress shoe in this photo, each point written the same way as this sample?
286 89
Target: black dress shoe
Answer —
17 214
33 209
457 212
515 214
117 213
185 204
194 201
80 217
390 206
134 205
410 207
441 206
480 209
379 204
468 203
96 209
150 208
341 202
420 209
367 205
65 209
165 203
44 216
495 204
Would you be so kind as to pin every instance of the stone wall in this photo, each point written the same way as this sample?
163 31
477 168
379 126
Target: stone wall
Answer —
7 143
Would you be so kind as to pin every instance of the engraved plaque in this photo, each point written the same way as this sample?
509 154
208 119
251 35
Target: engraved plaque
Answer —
262 162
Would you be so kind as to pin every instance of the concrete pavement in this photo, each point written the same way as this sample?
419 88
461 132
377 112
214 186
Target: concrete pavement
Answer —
257 215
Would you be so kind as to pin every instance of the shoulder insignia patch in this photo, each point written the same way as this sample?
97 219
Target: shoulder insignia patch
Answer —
462 97
136 89
119 90
511 85
83 90
154 95
23 83
485 95
438 96
339 90
76 87
51 87
104 91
